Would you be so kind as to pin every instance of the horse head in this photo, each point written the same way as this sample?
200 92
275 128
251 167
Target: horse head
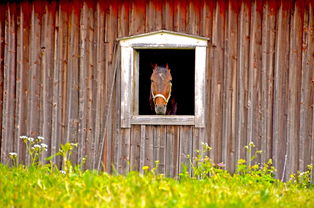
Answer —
161 88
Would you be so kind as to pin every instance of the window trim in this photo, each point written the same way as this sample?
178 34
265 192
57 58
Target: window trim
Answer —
130 77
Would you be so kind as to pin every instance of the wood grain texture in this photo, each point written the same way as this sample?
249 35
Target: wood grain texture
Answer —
61 74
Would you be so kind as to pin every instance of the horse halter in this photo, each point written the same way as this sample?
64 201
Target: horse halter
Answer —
162 96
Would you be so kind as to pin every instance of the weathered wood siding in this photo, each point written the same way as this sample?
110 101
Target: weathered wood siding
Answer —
60 78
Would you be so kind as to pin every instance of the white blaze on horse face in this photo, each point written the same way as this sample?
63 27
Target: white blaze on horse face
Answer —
162 76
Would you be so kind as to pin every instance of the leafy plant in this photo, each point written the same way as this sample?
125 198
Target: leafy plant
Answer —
34 146
302 179
65 151
252 185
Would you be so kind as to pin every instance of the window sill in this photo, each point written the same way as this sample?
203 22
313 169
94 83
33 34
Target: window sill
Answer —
163 120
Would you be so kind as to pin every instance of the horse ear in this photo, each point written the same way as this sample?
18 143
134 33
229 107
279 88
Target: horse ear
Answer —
167 67
154 66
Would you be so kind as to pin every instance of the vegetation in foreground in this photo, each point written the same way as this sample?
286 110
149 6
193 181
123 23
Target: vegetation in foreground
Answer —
252 185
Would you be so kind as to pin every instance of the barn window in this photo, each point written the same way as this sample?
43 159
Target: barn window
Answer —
185 55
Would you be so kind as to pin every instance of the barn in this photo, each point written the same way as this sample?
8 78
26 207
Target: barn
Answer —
78 71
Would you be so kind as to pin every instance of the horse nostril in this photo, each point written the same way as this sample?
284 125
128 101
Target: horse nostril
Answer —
160 109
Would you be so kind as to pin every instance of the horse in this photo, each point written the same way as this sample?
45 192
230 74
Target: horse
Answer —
160 91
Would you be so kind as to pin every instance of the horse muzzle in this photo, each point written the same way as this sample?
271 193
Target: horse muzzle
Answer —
161 109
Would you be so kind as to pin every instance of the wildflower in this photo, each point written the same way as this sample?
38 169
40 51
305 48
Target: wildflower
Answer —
31 139
255 167
145 168
63 172
24 138
44 146
73 144
241 161
13 154
221 165
36 146
40 138
251 144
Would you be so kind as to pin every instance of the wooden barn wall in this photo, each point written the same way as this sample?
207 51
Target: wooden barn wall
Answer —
60 78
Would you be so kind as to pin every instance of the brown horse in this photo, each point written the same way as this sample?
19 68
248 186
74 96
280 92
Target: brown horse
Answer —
161 88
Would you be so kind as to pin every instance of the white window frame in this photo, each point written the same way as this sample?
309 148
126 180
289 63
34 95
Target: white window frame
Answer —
130 77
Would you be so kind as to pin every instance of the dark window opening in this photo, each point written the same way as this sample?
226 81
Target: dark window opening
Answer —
182 65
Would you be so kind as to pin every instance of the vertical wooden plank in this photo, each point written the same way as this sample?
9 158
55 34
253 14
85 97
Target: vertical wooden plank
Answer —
179 20
125 151
229 94
90 146
206 18
135 148
254 90
137 17
156 143
207 30
242 83
161 132
307 91
266 80
193 17
19 77
72 81
82 87
280 84
47 72
99 65
142 148
293 108
200 55
21 119
35 75
153 16
116 108
217 85
112 63
169 152
2 38
150 17
149 146
167 20
125 87
306 105
186 144
123 19
7 143
311 63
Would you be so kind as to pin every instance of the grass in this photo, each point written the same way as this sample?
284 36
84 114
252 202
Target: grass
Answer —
40 185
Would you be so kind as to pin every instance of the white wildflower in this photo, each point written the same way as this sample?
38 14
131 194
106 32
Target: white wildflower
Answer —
36 146
13 154
63 172
43 145
23 137
251 144
31 139
204 144
40 138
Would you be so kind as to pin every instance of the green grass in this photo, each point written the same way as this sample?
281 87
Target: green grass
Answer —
42 187
252 185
